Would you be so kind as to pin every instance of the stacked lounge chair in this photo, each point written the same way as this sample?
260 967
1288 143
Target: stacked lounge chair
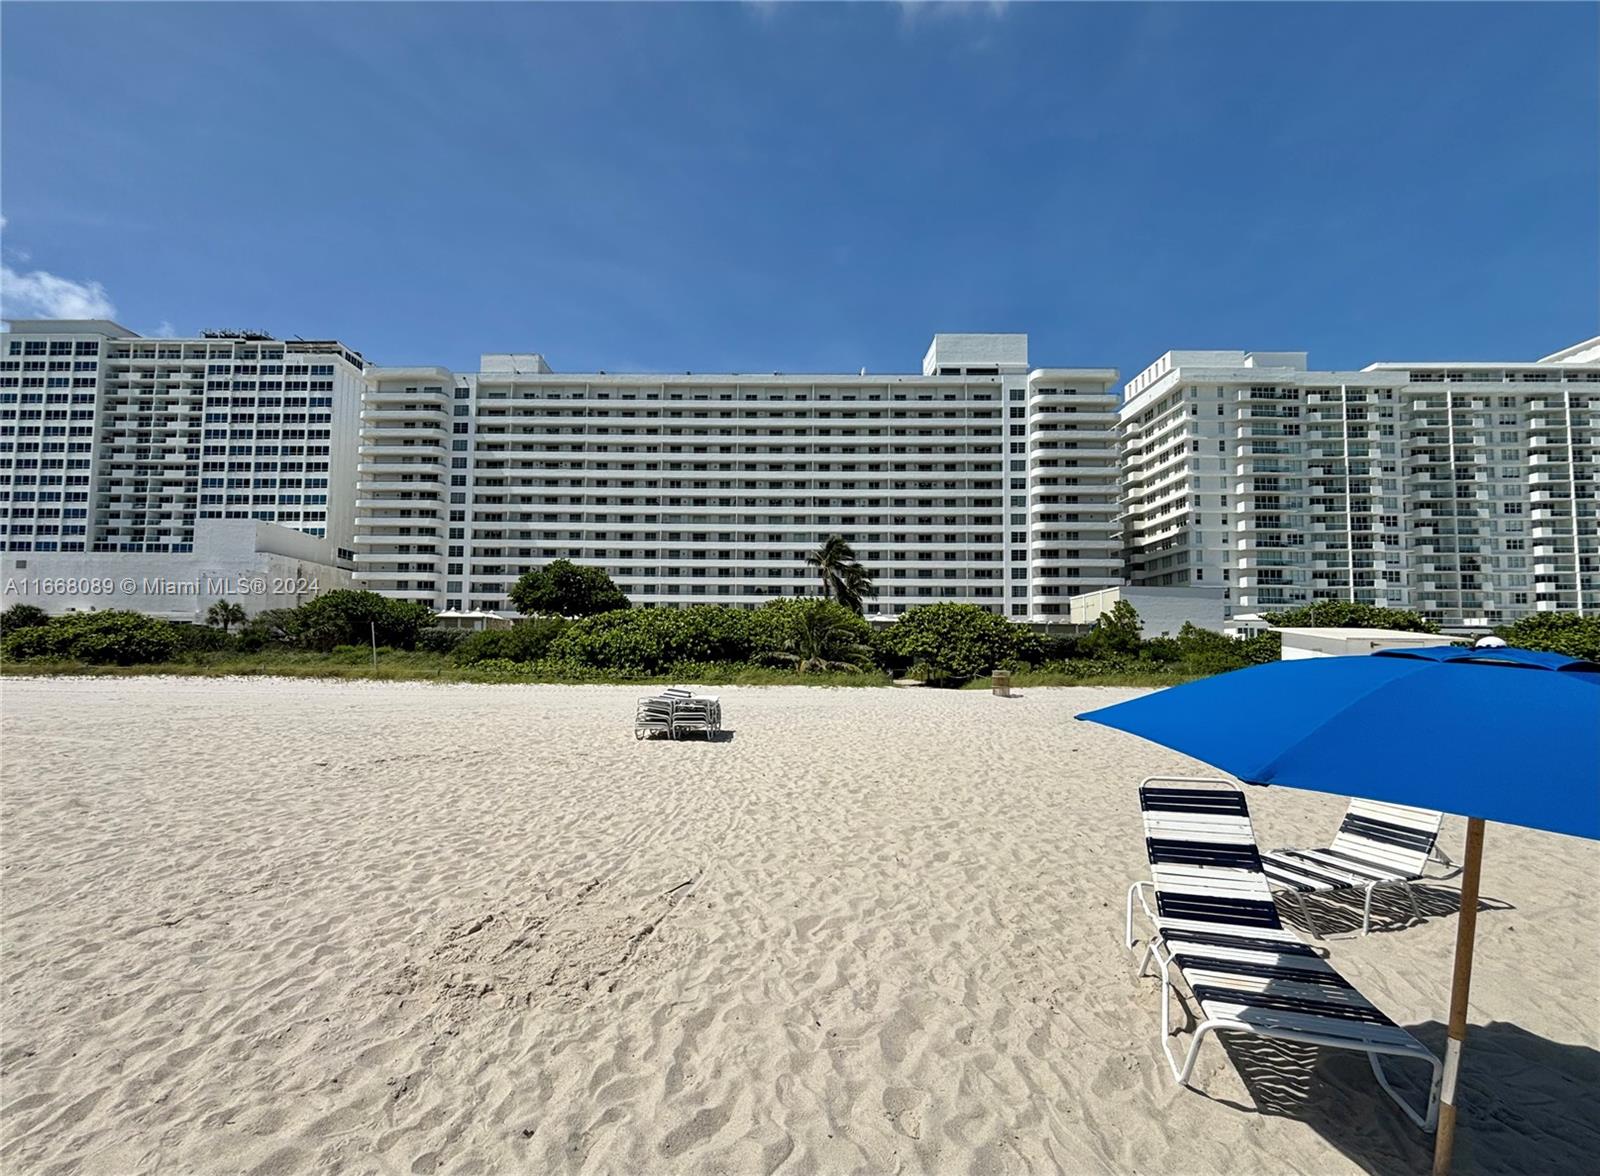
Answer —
1377 845
1216 926
652 716
675 712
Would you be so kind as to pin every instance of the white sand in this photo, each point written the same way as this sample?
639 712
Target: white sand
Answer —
265 926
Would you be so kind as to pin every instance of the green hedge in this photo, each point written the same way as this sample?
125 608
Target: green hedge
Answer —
945 644
1565 633
526 642
1344 614
950 643
98 638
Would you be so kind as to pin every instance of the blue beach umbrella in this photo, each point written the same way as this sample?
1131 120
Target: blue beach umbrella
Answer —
1491 734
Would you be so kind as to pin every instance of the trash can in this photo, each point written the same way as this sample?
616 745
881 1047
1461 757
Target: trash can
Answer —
1002 683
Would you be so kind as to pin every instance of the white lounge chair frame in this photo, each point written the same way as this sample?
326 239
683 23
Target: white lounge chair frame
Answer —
675 712
652 716
1249 956
696 714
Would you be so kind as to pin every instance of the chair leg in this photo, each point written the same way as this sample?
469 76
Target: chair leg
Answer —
1180 1073
1127 928
1416 908
1429 1119
1366 908
1305 913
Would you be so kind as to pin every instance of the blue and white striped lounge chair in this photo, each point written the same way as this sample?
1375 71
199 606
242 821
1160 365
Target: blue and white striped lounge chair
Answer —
1377 845
1216 926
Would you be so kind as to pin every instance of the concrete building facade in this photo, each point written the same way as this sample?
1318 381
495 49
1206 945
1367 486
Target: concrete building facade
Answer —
253 564
1163 612
1465 491
981 480
111 442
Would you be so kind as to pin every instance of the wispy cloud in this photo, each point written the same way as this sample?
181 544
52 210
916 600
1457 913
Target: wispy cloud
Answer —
44 295
165 331
916 12
766 11
18 254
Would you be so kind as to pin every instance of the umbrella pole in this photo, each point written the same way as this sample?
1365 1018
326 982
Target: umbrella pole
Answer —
1466 929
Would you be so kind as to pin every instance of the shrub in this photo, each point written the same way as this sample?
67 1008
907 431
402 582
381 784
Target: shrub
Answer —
648 640
439 640
202 639
566 589
954 642
811 635
347 617
100 638
269 627
1263 648
1162 650
1203 651
1116 633
1344 614
1551 632
23 616
526 642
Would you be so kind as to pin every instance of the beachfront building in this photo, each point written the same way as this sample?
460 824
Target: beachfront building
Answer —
1465 491
115 443
247 562
981 479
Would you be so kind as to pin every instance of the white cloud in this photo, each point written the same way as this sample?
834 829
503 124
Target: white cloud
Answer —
166 331
915 12
44 295
16 254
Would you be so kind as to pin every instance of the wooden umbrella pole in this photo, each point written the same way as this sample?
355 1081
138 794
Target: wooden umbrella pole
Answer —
1466 929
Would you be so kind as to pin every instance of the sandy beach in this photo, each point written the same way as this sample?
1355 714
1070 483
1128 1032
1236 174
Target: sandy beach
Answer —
276 927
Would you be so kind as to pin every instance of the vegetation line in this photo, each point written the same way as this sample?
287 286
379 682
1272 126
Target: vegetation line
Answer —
579 628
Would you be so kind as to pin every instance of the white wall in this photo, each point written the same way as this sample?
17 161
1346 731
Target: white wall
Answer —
257 565
949 350
1304 643
1162 611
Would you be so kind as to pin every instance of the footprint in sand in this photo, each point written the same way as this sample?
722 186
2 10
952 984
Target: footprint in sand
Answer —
1118 1073
904 1105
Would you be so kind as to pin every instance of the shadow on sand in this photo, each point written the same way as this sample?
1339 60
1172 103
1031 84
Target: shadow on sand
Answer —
725 735
1339 912
1526 1104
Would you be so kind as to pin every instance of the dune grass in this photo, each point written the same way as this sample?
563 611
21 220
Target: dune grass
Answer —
412 666
1026 678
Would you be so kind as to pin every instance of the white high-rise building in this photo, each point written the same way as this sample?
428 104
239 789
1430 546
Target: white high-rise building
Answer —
1465 491
111 442
980 480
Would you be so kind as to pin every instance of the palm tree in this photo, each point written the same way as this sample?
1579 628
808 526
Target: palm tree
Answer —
857 588
843 577
823 641
223 615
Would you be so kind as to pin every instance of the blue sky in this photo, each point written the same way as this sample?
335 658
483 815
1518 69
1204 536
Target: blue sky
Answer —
811 187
